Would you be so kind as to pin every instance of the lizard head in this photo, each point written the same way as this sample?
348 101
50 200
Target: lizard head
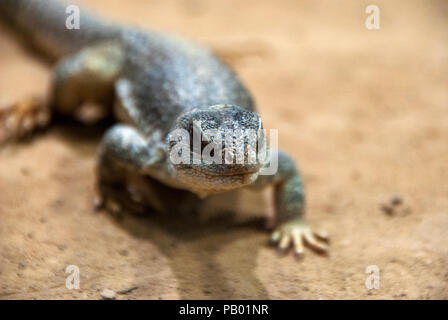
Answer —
216 149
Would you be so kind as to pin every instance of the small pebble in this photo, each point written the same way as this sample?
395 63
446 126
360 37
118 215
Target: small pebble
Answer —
124 291
107 294
98 202
387 209
62 247
396 200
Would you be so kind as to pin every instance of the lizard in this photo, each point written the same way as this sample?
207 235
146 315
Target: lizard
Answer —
153 84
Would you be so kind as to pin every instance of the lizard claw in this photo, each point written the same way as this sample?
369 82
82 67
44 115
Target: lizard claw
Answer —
98 202
298 233
117 200
19 119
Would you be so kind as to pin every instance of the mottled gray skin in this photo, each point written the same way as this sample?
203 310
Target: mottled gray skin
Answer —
154 83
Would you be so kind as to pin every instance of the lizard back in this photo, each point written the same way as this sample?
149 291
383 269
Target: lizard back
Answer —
170 76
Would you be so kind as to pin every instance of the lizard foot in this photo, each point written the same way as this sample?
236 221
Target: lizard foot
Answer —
19 119
299 233
118 200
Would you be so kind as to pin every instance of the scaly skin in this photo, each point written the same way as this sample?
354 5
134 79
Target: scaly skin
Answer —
153 84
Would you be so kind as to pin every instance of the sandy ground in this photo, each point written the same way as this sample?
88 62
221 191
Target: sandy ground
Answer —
363 112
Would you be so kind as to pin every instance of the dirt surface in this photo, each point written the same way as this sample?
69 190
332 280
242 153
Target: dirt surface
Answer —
363 112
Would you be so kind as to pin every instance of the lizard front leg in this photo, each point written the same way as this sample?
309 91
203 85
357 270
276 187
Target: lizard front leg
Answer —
124 153
83 83
289 204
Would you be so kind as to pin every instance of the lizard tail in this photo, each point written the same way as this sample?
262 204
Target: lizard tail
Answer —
54 28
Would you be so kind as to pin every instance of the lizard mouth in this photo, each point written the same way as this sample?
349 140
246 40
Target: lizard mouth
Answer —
239 173
205 182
